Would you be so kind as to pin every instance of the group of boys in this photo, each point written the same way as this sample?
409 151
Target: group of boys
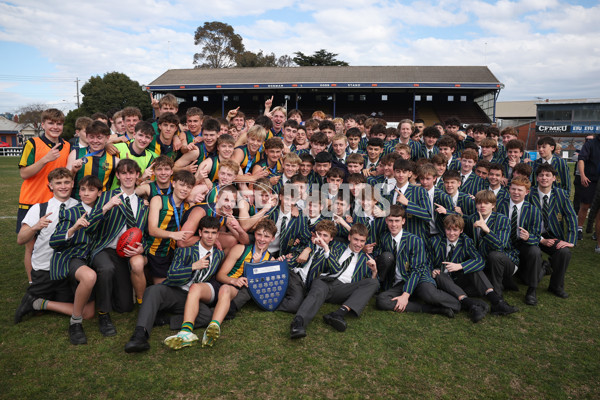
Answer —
427 219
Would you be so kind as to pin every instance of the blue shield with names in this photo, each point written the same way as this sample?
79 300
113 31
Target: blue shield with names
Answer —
267 282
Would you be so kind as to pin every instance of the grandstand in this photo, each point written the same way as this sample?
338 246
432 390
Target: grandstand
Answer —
432 93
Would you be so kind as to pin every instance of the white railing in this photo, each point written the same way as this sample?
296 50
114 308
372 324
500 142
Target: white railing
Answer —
10 151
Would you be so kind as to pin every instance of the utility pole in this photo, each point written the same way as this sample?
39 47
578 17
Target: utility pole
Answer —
77 83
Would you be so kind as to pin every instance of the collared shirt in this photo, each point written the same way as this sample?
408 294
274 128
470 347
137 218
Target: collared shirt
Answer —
510 211
42 252
432 228
397 241
465 177
454 199
346 276
303 271
202 252
134 200
389 185
402 190
274 246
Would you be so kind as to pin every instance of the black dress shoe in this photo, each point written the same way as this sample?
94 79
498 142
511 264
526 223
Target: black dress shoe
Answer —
337 321
25 307
477 313
530 297
297 329
503 308
443 311
106 326
76 334
138 341
558 293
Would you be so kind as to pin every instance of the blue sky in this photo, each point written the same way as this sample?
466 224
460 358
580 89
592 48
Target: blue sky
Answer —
537 48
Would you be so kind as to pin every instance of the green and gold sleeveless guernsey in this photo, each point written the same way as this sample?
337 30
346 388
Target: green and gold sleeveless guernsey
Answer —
277 170
213 174
204 153
156 191
248 162
238 268
169 219
102 165
159 148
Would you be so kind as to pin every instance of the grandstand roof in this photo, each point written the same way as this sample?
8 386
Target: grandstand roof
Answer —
473 77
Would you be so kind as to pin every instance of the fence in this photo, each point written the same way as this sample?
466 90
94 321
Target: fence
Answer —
10 151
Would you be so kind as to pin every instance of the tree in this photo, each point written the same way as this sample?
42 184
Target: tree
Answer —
220 45
70 118
114 90
319 58
285 61
250 59
32 114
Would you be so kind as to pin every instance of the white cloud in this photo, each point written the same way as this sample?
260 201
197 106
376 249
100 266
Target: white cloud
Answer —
541 46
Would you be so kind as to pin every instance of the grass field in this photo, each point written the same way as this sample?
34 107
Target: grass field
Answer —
548 351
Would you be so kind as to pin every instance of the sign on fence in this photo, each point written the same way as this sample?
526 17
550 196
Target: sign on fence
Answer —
11 151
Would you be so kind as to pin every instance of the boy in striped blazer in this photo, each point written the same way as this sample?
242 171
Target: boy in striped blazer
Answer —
462 203
405 271
557 213
437 198
308 265
470 182
414 199
490 231
122 209
190 288
71 243
525 229
292 230
350 280
458 270
50 288
546 146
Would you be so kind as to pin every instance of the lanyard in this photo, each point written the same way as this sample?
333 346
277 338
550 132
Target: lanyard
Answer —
175 213
84 159
250 162
169 189
263 256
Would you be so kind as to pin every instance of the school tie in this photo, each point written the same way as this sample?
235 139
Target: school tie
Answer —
462 179
429 153
283 228
514 224
343 269
450 253
200 273
62 208
545 212
129 217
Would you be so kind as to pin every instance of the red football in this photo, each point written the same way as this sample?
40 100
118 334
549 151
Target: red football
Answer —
129 238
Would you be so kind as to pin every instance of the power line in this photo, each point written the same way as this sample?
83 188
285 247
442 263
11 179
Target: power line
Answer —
34 78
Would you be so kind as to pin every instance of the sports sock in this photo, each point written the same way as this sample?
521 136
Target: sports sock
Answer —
215 322
187 326
139 301
466 303
493 297
40 304
76 320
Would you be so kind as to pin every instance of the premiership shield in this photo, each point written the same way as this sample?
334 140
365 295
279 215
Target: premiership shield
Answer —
267 282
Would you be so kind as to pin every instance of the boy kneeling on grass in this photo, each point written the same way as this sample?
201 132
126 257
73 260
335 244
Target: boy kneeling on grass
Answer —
55 273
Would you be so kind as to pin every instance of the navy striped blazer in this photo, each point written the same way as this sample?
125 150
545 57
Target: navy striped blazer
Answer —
180 272
412 261
530 220
297 228
465 253
78 246
114 221
333 265
561 214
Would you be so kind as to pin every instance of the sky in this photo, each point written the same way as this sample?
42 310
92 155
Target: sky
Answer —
538 49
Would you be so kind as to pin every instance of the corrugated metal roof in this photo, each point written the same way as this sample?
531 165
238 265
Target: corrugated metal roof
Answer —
378 74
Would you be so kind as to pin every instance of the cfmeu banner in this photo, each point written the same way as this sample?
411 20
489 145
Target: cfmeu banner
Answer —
267 282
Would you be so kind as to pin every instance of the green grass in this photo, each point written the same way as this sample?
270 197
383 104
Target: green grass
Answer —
548 351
